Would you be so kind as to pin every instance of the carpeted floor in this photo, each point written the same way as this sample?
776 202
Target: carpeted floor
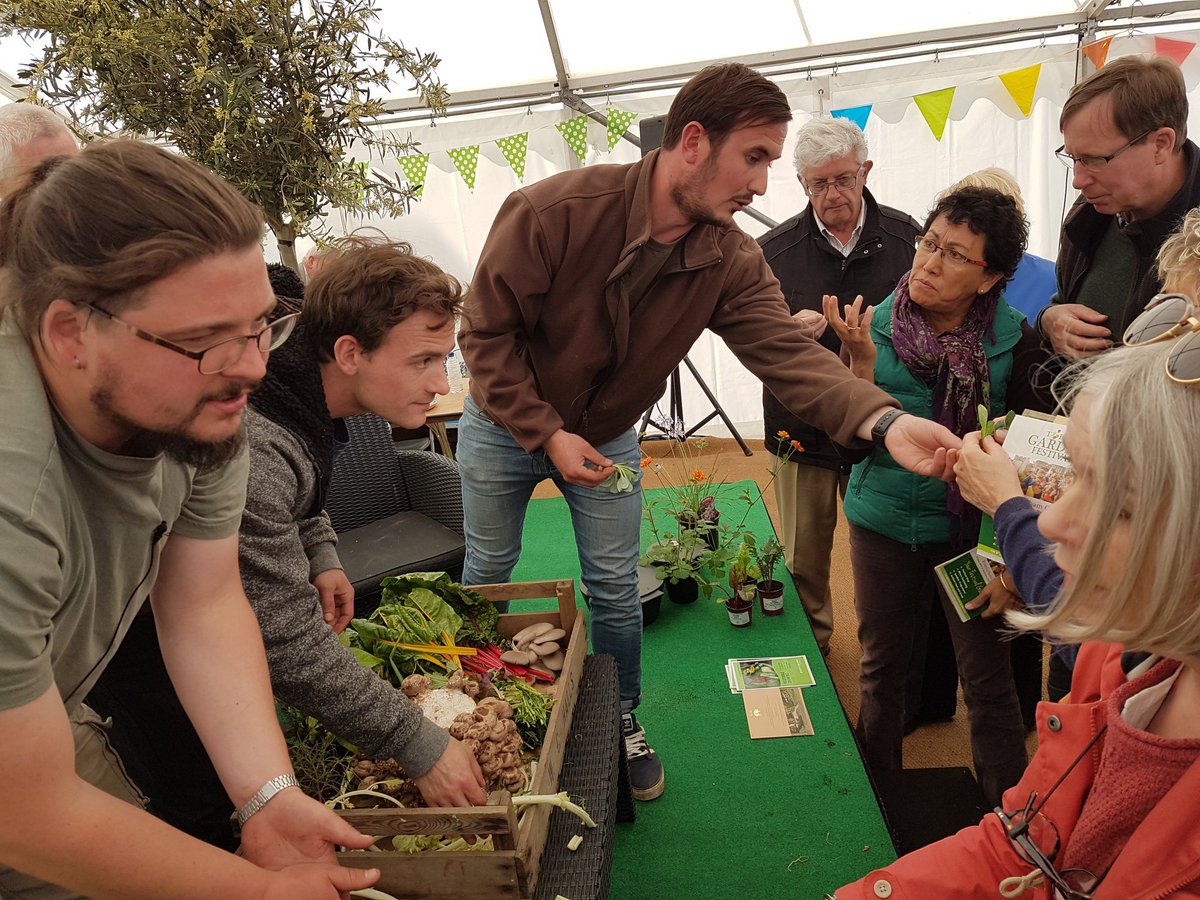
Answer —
785 817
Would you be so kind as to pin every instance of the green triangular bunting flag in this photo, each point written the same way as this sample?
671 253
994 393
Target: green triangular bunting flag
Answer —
415 168
935 107
465 160
618 124
574 132
515 147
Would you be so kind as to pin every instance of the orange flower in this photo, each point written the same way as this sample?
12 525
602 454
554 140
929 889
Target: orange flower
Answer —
782 435
797 447
698 476
647 462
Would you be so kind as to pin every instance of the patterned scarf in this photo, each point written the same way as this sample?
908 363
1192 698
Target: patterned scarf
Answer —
955 364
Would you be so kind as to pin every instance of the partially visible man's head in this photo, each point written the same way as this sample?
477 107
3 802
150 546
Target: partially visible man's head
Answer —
832 165
1125 127
385 319
723 98
173 251
28 135
992 177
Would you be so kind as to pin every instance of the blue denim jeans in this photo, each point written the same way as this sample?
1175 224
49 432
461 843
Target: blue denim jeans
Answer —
498 478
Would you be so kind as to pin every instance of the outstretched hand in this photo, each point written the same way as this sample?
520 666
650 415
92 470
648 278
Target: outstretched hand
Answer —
923 446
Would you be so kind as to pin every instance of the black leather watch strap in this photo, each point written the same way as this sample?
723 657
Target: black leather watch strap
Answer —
880 428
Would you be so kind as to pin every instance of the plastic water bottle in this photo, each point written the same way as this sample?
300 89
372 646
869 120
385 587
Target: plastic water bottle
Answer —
454 372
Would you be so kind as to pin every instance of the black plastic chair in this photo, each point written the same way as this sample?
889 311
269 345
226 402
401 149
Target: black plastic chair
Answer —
395 511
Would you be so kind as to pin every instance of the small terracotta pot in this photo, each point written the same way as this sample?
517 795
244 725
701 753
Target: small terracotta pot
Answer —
770 597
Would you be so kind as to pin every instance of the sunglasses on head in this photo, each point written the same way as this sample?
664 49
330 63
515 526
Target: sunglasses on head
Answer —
1166 317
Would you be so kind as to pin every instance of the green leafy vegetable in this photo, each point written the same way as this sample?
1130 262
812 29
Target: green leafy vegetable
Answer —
531 709
988 426
478 615
621 480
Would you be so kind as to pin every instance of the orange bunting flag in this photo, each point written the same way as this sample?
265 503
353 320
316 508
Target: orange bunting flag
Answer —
935 107
1177 50
1097 52
1021 84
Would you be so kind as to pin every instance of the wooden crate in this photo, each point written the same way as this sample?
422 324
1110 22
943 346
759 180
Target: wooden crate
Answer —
511 869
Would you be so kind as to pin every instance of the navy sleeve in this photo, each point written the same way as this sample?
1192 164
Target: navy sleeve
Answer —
1035 575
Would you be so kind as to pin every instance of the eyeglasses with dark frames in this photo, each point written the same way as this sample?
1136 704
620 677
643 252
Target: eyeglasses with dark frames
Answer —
928 245
1095 163
223 354
843 183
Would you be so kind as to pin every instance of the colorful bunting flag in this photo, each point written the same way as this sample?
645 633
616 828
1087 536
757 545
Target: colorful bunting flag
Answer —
1097 52
1177 50
415 168
1021 84
618 124
515 148
935 107
574 132
856 114
466 159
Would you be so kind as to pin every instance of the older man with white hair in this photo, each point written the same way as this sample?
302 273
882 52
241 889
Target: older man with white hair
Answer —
28 135
842 243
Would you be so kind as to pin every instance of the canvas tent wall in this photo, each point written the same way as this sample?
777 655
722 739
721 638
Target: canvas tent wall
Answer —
524 68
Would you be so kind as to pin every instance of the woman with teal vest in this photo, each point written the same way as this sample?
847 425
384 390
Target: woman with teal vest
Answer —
942 344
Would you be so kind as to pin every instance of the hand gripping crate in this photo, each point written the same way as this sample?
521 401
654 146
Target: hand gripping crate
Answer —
511 869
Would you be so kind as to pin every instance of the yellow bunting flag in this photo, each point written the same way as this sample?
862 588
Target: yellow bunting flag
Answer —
935 107
515 148
574 132
415 168
1176 50
1021 84
1097 52
466 159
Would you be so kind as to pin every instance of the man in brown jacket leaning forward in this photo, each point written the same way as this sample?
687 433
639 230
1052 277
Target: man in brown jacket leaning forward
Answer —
592 286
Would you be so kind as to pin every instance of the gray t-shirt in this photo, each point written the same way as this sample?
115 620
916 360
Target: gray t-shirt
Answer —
81 534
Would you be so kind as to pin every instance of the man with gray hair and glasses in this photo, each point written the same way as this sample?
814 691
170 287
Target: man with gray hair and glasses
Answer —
847 244
1125 142
28 134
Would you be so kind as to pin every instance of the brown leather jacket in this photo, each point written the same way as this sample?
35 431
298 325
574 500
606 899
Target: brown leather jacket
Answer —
551 341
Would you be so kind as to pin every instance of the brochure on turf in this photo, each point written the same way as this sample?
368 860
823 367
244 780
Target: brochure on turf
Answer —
768 672
963 578
1035 444
777 712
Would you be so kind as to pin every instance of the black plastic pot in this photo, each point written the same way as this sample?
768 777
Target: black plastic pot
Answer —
651 606
685 590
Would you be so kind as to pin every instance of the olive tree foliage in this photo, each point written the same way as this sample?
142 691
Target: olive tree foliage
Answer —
276 96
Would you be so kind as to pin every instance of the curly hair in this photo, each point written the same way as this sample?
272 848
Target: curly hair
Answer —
992 214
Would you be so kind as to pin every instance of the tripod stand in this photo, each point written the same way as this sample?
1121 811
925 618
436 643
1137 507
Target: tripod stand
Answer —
673 425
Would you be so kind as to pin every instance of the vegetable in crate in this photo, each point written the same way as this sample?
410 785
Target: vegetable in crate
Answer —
479 615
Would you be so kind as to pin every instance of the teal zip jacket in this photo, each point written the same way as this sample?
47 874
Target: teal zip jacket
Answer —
889 500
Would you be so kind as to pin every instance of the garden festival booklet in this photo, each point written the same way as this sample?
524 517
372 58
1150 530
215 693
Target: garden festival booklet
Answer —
777 712
1035 443
769 672
963 578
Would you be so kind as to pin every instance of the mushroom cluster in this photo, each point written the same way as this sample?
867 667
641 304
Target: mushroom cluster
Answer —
491 734
538 645
441 706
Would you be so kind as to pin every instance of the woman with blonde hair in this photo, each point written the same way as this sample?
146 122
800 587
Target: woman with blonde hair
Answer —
1106 808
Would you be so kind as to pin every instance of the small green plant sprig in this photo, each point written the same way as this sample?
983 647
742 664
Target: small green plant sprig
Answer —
989 426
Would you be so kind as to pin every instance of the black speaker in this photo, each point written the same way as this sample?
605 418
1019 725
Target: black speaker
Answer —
651 133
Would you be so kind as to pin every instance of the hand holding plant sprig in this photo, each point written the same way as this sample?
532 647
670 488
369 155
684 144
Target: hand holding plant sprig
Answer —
988 426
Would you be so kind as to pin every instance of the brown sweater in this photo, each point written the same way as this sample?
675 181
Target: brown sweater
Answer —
551 341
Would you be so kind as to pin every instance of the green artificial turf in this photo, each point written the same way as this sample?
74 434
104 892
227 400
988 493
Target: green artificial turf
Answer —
784 817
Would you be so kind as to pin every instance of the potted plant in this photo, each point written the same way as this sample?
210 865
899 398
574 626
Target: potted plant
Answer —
743 582
770 591
678 563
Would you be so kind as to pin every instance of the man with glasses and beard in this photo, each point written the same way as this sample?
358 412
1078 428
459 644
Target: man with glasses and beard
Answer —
136 323
1125 141
592 286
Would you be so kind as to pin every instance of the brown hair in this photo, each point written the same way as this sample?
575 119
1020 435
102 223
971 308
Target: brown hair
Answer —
365 287
1145 94
100 226
722 98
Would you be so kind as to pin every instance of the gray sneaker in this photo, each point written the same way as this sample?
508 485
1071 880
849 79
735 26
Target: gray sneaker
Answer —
645 771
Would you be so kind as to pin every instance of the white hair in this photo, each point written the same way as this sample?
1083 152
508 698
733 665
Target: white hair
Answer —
992 177
822 140
23 123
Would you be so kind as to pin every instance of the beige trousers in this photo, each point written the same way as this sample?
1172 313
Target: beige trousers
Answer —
808 512
96 763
